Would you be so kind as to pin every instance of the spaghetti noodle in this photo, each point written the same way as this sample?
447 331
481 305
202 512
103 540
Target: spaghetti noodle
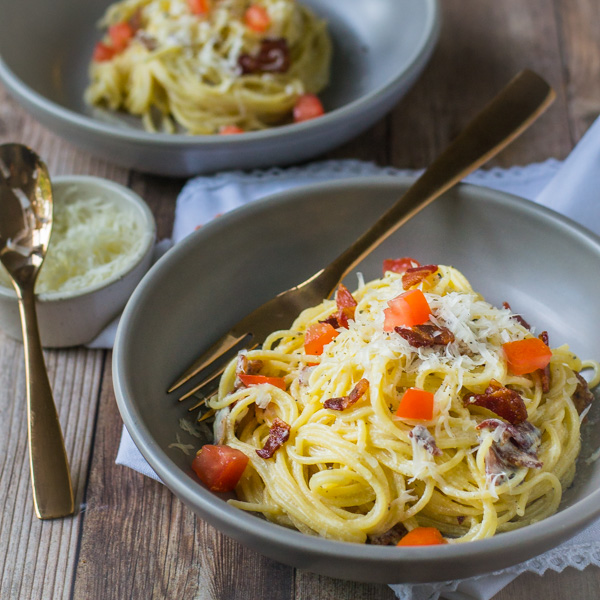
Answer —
209 66
349 468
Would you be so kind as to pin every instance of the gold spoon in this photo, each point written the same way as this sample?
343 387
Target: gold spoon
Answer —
25 227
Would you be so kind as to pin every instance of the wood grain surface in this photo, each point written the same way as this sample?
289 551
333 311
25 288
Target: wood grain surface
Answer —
132 538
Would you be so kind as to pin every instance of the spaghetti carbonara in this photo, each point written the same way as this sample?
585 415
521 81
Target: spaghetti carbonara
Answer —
211 66
335 448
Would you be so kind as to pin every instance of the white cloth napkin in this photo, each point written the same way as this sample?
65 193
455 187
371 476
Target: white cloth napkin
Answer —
570 188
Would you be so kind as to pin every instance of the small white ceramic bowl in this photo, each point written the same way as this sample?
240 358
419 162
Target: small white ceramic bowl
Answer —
74 317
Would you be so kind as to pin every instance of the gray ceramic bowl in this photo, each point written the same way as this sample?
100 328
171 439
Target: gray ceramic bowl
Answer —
510 249
380 47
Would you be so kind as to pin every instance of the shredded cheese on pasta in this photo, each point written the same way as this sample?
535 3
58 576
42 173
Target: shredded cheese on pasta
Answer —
359 472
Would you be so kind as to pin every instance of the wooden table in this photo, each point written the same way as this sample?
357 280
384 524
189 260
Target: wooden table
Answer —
132 538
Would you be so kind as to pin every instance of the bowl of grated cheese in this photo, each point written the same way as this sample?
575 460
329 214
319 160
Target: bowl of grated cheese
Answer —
101 246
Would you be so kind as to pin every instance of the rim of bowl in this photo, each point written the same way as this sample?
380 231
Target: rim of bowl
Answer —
123 193
431 33
577 516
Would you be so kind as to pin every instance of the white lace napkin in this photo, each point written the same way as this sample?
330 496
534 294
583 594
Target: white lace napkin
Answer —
570 187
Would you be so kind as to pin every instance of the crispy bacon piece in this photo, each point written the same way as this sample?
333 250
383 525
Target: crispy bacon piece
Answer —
515 446
506 403
517 318
279 433
545 372
346 307
149 41
390 537
415 275
273 56
426 335
582 397
425 439
346 401
245 367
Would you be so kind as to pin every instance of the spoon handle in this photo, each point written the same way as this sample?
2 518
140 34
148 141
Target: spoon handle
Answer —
50 476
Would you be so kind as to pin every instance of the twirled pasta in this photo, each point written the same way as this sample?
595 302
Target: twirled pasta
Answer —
181 68
357 473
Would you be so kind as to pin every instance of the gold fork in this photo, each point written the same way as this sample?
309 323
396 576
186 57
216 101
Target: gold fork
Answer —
502 120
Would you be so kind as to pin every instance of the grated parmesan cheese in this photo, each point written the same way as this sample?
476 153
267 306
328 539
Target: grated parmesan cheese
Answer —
94 238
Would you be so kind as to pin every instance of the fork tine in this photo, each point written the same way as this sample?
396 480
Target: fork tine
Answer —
203 401
216 351
202 384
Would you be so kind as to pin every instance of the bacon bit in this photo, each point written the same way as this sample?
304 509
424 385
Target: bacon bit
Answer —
506 403
426 335
149 41
582 396
416 275
545 372
346 401
517 318
279 433
346 307
399 265
272 57
136 20
424 439
388 538
516 446
245 367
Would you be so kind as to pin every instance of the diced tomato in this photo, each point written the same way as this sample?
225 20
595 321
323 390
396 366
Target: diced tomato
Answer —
103 52
199 7
416 404
230 129
399 265
308 106
120 35
317 336
249 380
407 309
219 467
526 356
422 536
257 18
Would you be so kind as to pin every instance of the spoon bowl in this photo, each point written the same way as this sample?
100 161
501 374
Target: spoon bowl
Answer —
25 229
26 222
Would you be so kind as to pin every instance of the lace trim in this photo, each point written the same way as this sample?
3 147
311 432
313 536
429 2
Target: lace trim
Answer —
558 559
352 167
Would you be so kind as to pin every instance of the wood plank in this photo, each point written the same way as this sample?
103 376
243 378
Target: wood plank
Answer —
579 28
482 46
37 558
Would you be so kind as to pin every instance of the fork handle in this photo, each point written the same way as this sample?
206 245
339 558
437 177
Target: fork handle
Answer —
50 476
503 119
